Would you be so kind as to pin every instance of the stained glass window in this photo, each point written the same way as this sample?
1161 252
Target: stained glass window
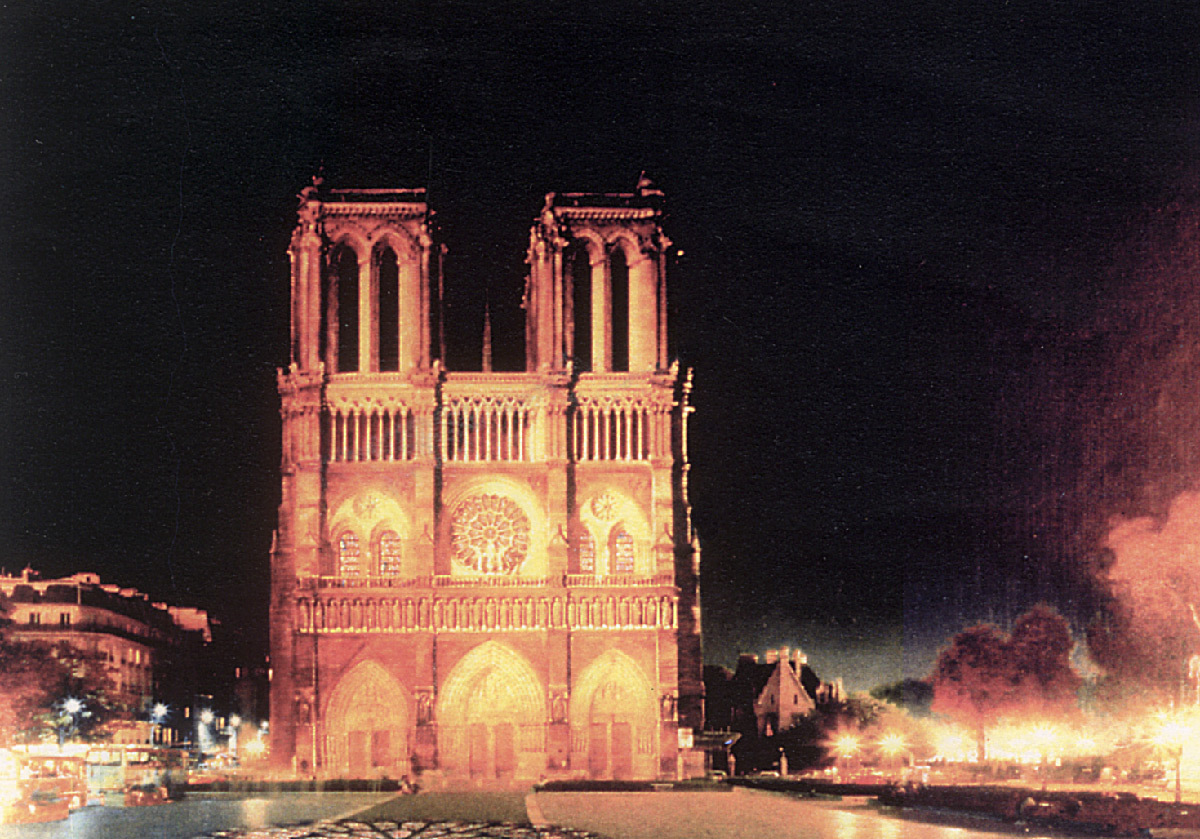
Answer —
490 534
587 552
349 561
622 551
389 554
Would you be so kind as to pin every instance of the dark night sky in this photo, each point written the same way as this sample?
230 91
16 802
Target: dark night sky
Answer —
898 221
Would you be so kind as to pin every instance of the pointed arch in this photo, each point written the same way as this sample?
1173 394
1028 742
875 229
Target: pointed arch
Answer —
579 297
349 554
366 723
491 714
585 551
618 282
613 715
621 550
386 265
341 308
370 514
620 527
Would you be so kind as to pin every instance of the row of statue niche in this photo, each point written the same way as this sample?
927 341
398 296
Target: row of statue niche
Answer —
502 613
559 701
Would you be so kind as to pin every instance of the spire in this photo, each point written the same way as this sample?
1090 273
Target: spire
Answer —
487 338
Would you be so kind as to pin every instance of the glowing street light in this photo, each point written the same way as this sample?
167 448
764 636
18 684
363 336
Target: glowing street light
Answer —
1169 737
72 709
158 717
892 744
846 745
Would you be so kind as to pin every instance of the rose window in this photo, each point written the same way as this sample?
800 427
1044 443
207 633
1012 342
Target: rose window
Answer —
489 534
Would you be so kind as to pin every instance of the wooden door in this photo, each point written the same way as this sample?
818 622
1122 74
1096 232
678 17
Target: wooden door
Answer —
381 748
506 753
477 745
598 750
357 744
622 750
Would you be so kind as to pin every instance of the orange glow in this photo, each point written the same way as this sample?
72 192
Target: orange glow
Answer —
893 744
846 745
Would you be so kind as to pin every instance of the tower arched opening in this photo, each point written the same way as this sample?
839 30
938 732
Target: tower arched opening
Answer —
581 306
389 310
618 273
342 311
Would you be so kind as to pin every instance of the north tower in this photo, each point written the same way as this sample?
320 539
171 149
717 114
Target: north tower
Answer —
482 574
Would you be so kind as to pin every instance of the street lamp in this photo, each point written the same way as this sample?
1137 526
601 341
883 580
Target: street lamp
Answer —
158 716
892 745
846 746
72 708
1169 737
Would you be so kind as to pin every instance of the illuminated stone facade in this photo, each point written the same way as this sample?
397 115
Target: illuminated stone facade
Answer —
482 574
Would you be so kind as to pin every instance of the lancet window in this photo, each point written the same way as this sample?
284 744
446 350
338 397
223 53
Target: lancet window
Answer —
389 310
388 551
581 307
343 314
586 546
349 558
619 290
621 549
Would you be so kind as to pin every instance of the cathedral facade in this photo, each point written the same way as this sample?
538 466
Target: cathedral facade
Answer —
486 575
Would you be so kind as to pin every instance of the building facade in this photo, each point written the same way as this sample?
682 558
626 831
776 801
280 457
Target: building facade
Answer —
151 649
482 574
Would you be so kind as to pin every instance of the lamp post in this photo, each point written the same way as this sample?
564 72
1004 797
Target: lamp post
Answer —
846 746
72 708
158 716
893 745
1169 737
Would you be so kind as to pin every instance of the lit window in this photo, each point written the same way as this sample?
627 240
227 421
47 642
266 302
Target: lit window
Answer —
587 552
622 551
348 556
389 554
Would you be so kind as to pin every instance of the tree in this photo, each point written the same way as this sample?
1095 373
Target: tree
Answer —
1041 646
984 674
36 680
28 676
974 680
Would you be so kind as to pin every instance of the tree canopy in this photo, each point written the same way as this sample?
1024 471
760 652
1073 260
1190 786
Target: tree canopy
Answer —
985 674
37 679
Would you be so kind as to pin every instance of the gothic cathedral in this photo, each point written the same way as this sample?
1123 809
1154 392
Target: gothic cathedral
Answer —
486 575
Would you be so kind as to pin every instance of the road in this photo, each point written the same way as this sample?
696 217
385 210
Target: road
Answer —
746 813
196 815
624 815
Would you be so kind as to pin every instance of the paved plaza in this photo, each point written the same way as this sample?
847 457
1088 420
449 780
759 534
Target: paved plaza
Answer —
403 830
729 814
